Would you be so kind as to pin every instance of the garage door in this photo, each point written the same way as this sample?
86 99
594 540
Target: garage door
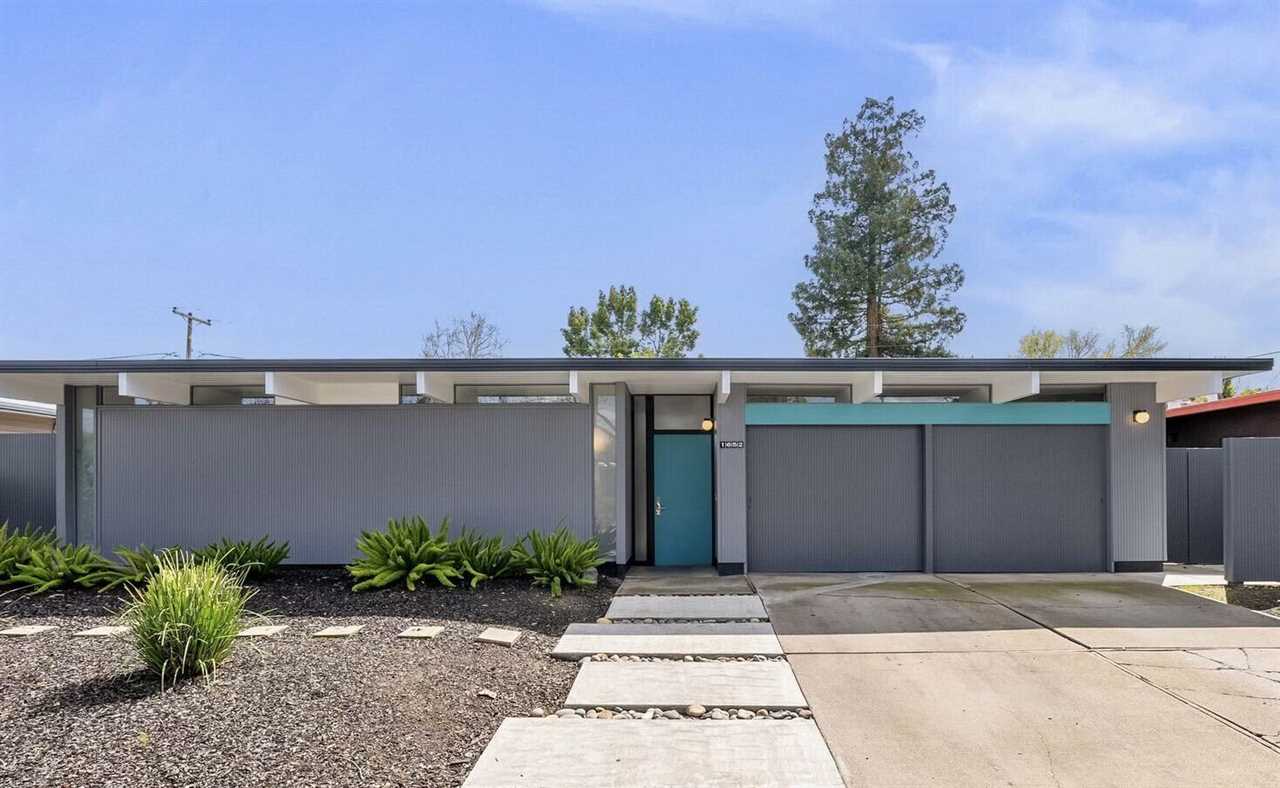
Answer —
1019 498
834 498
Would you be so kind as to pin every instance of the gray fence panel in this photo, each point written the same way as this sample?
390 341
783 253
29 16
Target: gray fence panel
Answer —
834 498
317 476
1251 508
28 480
1020 498
1178 525
1204 506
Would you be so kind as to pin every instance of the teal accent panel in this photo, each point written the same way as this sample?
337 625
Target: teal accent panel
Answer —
682 484
772 413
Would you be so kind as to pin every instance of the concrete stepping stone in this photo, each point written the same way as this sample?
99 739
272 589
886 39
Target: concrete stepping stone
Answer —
101 632
261 631
502 637
337 632
683 583
644 685
421 633
668 640
633 753
25 631
695 607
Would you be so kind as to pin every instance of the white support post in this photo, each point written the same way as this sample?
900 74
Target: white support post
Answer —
722 392
1014 386
154 388
577 387
867 386
436 386
293 387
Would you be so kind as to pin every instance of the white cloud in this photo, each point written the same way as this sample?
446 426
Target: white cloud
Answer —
1209 277
1097 84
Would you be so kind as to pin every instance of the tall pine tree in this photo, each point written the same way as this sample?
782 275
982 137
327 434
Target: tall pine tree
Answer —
880 221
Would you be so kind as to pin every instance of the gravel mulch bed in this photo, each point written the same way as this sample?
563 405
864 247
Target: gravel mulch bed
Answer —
1263 598
289 709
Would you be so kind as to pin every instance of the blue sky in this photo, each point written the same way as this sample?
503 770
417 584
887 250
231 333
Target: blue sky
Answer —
327 179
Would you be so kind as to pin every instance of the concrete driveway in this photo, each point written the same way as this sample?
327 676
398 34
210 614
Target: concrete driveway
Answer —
1031 679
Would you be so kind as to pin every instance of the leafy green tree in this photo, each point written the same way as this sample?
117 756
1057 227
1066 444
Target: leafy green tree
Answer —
1139 342
1040 344
616 328
879 220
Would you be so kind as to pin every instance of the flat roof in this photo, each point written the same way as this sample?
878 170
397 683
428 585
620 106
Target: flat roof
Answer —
1243 401
347 380
1225 365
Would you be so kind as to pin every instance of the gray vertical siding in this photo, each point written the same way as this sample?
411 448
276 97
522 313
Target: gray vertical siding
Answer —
1177 517
1251 508
28 476
1204 506
317 476
731 480
835 498
1012 498
1136 493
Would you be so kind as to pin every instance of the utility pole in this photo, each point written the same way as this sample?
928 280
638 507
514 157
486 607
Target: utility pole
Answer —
191 318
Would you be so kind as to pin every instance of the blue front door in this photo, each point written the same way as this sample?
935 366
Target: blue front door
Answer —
682 513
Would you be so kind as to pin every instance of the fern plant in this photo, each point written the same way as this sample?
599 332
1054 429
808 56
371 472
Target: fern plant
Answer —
407 551
134 567
17 545
51 566
255 560
483 558
558 560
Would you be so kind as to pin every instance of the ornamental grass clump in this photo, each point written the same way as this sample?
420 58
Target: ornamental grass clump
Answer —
559 560
408 551
184 621
483 559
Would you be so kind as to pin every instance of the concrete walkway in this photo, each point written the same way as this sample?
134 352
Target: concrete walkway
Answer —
666 685
729 607
1018 679
761 753
668 640
682 581
690 741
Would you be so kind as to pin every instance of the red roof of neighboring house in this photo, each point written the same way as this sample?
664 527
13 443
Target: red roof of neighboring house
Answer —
1225 404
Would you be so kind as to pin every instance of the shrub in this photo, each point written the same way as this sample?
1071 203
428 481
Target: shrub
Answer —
135 567
484 558
559 559
184 621
49 566
408 551
255 559
17 545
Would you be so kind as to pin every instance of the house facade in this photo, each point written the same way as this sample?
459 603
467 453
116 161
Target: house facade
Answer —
1204 425
743 464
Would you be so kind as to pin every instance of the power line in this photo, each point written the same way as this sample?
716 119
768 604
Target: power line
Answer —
191 319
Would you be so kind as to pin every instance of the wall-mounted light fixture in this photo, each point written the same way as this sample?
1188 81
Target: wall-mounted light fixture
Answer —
708 425
1141 416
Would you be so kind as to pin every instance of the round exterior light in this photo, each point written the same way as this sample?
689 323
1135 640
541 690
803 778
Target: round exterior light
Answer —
708 425
1141 416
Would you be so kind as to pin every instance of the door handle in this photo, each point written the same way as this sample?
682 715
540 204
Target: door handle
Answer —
657 509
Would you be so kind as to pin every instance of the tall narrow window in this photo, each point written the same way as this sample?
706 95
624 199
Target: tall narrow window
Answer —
604 452
86 464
